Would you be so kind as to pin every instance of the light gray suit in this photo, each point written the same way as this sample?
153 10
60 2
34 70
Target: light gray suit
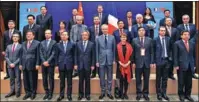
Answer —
105 56
76 31
13 57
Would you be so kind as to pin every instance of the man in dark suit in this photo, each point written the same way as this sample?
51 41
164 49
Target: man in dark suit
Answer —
13 54
45 21
105 58
174 35
162 52
72 21
32 26
47 56
166 15
142 62
65 63
85 62
129 21
184 63
139 23
95 32
102 16
187 26
30 64
7 38
120 31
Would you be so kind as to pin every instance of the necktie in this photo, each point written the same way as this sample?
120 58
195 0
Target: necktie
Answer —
142 42
100 17
10 34
13 48
186 45
84 44
28 45
43 17
47 43
30 26
96 30
121 31
65 46
106 40
163 48
186 27
169 30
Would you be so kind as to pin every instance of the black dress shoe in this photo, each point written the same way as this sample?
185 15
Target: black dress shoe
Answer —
117 93
88 98
32 96
126 96
122 96
18 95
60 98
181 98
189 98
138 97
50 97
80 97
159 97
101 96
172 77
45 97
146 97
69 98
110 96
6 77
165 97
10 94
26 96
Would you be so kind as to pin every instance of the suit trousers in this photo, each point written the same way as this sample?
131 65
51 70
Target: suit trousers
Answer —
108 70
170 70
66 73
48 77
146 74
7 72
162 77
84 81
184 82
15 73
30 81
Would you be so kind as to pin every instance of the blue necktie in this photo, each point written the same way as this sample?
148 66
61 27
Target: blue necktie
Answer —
163 48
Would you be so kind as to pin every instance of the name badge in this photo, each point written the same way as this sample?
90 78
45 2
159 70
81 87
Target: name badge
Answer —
142 52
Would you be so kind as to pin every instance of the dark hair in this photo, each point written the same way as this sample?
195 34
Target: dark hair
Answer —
150 14
120 21
30 15
166 10
31 32
184 31
11 21
95 16
140 28
161 27
62 21
42 7
123 34
128 11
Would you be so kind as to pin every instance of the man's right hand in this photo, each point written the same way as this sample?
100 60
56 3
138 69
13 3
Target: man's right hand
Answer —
177 68
134 66
3 53
20 67
97 64
57 68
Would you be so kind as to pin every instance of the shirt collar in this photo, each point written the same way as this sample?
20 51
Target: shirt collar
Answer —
184 41
186 24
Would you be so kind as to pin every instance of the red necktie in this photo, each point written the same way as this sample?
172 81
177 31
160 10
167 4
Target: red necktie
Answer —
13 48
186 45
28 45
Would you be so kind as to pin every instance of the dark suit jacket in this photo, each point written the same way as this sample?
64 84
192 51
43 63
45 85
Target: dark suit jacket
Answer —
135 31
7 40
104 18
158 50
65 58
162 22
48 54
149 53
85 59
30 57
116 34
36 28
126 23
70 24
182 57
46 23
192 27
195 38
92 33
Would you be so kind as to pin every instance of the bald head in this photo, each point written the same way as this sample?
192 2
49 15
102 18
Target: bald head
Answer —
139 18
79 19
104 28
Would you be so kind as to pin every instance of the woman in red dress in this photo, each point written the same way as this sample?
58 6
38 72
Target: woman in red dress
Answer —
124 56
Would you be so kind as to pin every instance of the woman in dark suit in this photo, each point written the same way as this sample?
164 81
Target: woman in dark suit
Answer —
62 28
149 20
124 56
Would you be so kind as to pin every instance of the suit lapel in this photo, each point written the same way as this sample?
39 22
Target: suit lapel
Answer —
87 47
145 41
184 46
